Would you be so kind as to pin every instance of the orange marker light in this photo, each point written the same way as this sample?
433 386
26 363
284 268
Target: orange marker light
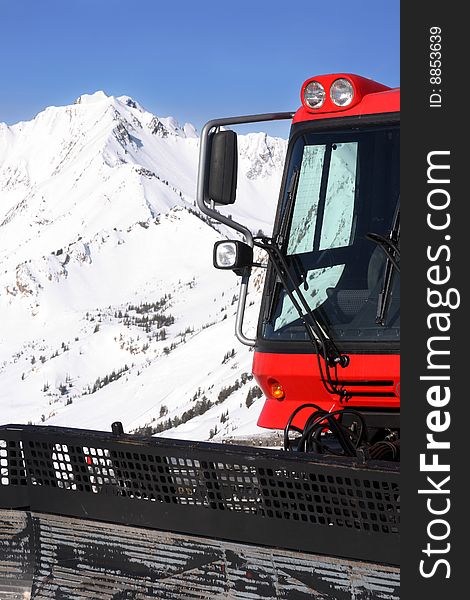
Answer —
277 390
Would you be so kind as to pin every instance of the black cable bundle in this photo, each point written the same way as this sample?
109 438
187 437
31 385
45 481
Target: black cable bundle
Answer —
385 450
320 421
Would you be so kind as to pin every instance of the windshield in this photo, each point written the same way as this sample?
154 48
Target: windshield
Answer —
342 186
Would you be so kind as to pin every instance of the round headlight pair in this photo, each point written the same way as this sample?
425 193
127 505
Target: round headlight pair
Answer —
341 93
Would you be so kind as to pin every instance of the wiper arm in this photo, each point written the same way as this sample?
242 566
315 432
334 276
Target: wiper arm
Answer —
324 346
291 193
315 329
391 249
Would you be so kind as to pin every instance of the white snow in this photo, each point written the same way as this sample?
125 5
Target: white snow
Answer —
97 218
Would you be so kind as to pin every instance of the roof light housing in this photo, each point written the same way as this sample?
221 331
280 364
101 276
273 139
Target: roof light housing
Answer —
342 91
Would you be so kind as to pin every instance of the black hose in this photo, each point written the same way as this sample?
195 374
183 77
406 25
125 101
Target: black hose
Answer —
317 422
289 425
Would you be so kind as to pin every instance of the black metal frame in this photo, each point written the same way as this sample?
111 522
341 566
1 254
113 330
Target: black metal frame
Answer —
310 503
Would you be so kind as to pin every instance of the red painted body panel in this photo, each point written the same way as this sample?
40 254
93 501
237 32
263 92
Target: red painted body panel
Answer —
299 376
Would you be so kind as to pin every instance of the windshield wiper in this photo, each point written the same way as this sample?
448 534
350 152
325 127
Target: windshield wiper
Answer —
291 193
390 247
315 329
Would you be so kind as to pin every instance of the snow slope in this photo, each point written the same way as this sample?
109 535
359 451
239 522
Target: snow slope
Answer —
111 309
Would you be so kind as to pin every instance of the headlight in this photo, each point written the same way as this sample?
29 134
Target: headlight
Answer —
341 92
225 255
232 254
314 94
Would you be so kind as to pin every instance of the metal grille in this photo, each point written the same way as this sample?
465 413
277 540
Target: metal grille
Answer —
12 466
260 486
352 502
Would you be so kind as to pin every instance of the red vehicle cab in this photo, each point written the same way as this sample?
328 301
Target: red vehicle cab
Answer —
329 325
346 158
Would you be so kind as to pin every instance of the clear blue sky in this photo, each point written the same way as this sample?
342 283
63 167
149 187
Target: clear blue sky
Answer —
194 60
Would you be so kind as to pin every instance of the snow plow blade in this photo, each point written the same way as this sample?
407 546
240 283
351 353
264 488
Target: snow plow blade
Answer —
88 514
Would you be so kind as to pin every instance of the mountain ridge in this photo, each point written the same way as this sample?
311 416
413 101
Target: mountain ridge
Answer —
98 224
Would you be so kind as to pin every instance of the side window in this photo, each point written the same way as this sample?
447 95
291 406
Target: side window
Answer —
304 216
340 193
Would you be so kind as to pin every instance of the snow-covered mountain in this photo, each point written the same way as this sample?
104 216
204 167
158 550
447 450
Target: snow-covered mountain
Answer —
111 309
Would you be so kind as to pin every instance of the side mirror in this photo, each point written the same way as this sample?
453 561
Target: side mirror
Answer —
232 254
223 167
